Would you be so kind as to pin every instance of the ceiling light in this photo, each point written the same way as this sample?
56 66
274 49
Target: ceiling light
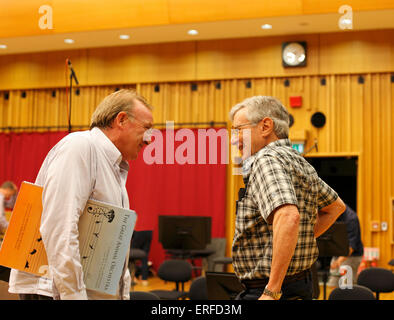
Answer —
266 26
192 32
69 41
124 37
3 46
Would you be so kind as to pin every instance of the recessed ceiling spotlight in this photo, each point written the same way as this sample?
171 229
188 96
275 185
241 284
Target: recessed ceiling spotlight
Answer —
3 46
192 32
69 41
266 26
124 37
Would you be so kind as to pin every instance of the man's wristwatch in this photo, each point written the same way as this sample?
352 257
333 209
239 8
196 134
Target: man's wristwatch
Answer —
275 295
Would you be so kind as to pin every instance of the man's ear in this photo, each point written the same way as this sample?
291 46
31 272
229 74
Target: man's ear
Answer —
267 126
120 119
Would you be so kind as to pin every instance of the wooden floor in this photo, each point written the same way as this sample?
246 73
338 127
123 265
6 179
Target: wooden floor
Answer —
154 283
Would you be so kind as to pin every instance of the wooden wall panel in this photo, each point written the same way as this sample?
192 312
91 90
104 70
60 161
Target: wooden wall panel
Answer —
41 70
251 57
336 53
356 52
145 63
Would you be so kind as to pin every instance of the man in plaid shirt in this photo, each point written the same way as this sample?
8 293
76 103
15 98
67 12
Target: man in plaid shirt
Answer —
283 208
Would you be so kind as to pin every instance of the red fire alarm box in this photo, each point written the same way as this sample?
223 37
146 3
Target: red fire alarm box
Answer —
296 102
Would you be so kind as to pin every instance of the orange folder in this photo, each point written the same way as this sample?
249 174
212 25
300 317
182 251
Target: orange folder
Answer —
22 247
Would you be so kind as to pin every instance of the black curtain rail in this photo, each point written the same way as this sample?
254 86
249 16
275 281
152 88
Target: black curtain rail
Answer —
176 124
83 127
49 128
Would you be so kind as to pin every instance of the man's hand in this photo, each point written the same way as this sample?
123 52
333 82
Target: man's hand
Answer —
265 297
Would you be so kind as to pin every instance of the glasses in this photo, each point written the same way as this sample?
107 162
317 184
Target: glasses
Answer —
236 130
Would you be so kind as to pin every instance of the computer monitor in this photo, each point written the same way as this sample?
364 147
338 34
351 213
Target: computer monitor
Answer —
184 232
222 285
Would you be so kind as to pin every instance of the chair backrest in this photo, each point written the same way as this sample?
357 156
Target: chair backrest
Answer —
377 279
219 246
356 293
198 289
175 270
143 295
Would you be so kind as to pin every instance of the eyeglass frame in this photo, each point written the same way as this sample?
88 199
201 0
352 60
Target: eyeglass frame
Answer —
236 130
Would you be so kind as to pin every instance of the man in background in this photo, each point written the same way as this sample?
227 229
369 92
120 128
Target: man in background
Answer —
356 248
85 165
8 191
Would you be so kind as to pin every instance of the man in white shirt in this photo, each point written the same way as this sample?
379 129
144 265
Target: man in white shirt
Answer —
85 165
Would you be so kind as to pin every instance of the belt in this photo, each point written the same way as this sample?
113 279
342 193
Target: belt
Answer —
262 282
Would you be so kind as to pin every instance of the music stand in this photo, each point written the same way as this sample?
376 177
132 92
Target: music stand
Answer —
184 233
186 237
222 285
334 242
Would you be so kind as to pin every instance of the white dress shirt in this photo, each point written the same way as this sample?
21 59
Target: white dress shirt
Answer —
83 165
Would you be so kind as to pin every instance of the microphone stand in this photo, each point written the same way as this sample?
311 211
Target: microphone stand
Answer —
72 76
311 148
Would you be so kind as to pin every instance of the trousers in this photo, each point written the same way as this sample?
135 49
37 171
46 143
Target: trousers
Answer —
301 289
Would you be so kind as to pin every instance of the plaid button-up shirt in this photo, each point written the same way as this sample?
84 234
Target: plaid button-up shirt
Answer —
277 175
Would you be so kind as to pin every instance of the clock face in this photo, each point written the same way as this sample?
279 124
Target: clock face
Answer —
294 55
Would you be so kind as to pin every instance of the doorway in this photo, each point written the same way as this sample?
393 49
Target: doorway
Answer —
340 173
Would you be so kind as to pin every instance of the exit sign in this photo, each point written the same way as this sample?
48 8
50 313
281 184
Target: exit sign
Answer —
299 147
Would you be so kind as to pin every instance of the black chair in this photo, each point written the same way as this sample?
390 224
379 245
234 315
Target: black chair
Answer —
356 293
202 255
178 271
377 279
192 256
143 295
198 289
218 245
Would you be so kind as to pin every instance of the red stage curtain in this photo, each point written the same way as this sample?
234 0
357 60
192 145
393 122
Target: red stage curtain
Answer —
176 189
154 189
21 154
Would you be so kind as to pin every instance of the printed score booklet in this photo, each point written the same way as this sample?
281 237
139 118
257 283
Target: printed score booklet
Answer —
104 238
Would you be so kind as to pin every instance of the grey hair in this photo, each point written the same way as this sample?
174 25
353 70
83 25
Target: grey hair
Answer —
9 185
260 107
108 109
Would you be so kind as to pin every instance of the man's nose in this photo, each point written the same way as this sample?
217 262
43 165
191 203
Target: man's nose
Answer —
147 139
234 139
